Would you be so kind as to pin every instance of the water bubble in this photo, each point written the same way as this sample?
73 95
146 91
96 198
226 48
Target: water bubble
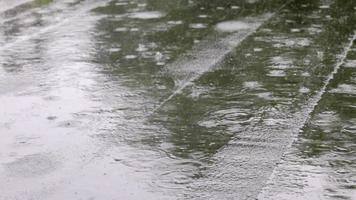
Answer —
158 56
134 29
251 85
197 26
314 30
181 179
280 62
142 5
276 73
129 57
52 117
324 7
121 29
266 30
146 15
345 89
121 3
351 63
141 47
175 22
160 63
320 55
203 16
264 95
295 30
304 90
232 26
114 49
305 74
304 42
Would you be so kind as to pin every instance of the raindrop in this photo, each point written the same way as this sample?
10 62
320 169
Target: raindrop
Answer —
324 7
146 15
134 29
175 22
114 49
141 47
203 16
160 63
231 26
121 3
276 73
197 26
304 90
51 118
305 74
129 57
350 63
121 29
266 30
251 85
158 56
142 5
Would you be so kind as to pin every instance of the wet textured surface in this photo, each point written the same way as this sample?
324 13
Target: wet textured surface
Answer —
321 163
177 99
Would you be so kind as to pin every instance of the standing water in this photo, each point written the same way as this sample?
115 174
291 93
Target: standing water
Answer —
177 99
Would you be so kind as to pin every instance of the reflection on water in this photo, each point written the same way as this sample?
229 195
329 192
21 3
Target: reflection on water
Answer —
176 99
